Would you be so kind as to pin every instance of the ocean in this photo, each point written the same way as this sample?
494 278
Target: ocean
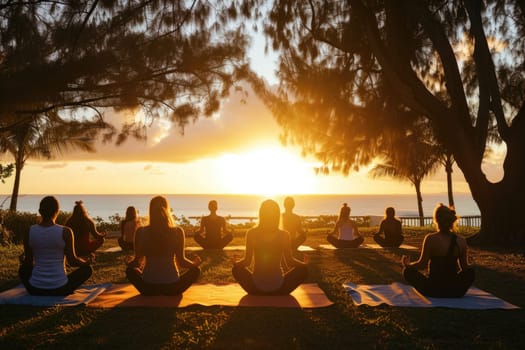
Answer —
191 205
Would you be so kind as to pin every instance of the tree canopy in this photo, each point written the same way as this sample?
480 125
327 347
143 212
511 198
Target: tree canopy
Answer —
352 72
72 59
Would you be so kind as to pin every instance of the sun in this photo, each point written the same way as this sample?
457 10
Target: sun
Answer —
266 171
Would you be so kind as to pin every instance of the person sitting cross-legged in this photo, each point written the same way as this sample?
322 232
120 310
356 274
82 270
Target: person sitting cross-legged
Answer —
47 247
445 254
267 247
213 233
391 228
159 253
349 236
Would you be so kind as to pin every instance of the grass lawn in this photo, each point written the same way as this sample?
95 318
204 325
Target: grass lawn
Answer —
340 326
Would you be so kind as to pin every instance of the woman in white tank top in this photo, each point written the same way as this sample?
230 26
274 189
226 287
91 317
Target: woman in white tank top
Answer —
346 228
46 248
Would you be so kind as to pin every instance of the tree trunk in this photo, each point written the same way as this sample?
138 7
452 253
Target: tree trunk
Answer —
448 169
16 188
417 185
502 204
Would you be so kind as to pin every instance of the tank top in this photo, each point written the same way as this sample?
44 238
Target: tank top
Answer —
47 244
267 272
346 231
444 267
160 264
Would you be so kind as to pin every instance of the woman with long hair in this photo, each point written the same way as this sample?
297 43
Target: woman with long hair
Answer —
346 229
268 246
128 227
84 228
159 254
445 254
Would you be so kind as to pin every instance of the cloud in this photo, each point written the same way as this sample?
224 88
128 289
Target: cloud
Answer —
235 127
54 165
90 168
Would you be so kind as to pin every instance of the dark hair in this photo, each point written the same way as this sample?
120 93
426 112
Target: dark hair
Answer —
390 212
289 202
49 207
269 215
344 213
78 221
131 213
212 205
445 217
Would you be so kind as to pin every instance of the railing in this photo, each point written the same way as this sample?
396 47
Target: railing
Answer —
365 220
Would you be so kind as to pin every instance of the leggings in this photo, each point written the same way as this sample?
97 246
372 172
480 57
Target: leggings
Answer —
341 243
212 243
74 280
292 279
186 279
454 287
390 242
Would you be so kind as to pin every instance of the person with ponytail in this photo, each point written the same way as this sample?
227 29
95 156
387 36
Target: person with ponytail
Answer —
346 229
159 255
445 254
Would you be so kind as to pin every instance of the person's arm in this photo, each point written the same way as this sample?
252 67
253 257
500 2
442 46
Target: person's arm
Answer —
93 229
122 225
27 258
334 230
288 256
463 254
248 253
381 228
224 226
201 226
422 262
69 250
139 257
355 229
180 256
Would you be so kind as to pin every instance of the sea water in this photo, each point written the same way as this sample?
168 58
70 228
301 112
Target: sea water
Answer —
195 205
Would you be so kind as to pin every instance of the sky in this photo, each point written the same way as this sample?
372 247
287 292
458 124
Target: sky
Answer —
237 151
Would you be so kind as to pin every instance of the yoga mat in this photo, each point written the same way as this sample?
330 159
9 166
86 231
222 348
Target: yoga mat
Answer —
125 295
305 248
82 296
399 294
228 247
367 246
112 250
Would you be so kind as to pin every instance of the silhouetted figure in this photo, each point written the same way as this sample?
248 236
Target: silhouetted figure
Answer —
346 228
267 246
128 227
46 248
445 254
213 233
390 227
84 228
292 223
159 253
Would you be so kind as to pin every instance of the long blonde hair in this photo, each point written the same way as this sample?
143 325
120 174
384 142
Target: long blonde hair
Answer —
269 215
160 219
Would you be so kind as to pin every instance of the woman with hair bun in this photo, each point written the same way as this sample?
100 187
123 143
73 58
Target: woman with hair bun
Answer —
346 228
445 254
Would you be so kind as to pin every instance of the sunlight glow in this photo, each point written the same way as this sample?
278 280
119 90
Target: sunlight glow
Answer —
267 171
